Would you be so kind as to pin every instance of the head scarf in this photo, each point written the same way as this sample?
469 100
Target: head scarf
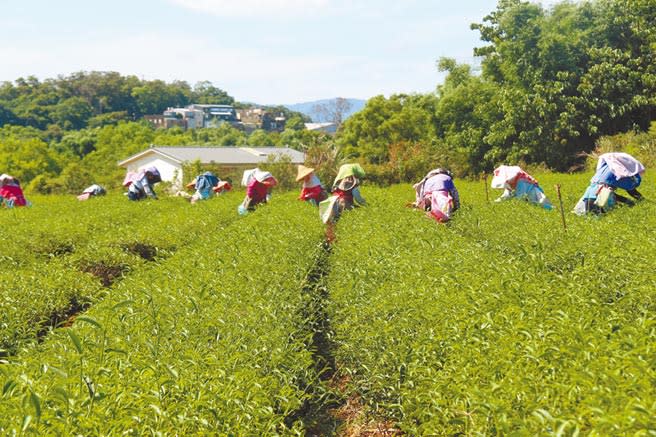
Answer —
621 164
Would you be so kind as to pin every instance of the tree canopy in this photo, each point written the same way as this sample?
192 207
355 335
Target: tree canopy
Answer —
553 81
96 98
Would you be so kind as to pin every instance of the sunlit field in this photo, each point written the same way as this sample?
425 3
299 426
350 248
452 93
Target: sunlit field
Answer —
165 318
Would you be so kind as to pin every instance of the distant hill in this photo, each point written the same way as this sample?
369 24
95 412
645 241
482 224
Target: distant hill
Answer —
309 108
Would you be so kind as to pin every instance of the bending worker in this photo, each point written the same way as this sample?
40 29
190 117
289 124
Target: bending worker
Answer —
92 190
259 184
345 193
312 191
205 185
11 193
140 185
614 170
437 194
516 183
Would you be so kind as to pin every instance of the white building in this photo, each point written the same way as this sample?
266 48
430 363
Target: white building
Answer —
230 160
194 118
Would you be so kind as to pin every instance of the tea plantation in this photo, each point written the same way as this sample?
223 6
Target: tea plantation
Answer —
164 318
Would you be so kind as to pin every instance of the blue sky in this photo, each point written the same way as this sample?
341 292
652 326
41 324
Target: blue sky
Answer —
263 51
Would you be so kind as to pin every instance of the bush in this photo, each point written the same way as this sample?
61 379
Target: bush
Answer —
642 145
282 168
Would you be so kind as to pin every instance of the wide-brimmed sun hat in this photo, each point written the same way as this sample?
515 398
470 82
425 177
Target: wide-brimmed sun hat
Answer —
302 172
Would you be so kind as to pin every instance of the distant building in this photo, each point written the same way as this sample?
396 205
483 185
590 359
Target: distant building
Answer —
258 118
228 160
165 121
327 127
193 118
202 116
214 114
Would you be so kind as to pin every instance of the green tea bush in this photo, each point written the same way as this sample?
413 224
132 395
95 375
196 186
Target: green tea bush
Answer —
499 322
207 341
61 254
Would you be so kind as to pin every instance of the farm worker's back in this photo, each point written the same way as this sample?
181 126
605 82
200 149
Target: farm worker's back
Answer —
140 185
92 190
346 193
11 194
347 186
312 190
259 184
518 184
437 194
614 171
204 185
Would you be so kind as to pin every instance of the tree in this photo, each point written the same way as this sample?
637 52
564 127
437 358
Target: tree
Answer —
78 143
105 92
206 93
368 133
155 96
6 116
71 113
260 138
470 119
28 158
108 118
567 76
295 122
333 111
113 144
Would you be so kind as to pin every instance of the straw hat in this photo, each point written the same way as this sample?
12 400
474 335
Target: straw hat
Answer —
302 172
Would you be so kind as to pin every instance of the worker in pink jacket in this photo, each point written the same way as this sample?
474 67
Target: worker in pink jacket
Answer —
437 194
259 184
11 193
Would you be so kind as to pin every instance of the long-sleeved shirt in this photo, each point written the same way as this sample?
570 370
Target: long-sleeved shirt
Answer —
442 182
605 176
312 189
142 187
257 191
349 196
13 193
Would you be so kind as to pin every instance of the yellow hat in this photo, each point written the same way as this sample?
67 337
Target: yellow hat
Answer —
302 172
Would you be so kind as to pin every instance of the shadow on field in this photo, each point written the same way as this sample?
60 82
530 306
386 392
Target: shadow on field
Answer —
107 273
316 413
146 251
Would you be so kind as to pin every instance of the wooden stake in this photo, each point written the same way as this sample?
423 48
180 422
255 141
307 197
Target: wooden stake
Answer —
562 211
487 195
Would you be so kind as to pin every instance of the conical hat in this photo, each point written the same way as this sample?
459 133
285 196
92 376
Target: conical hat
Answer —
302 172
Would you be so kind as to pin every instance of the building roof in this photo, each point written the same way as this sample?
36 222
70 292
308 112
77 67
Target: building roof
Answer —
219 155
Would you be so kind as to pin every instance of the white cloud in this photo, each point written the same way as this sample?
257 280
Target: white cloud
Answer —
250 8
